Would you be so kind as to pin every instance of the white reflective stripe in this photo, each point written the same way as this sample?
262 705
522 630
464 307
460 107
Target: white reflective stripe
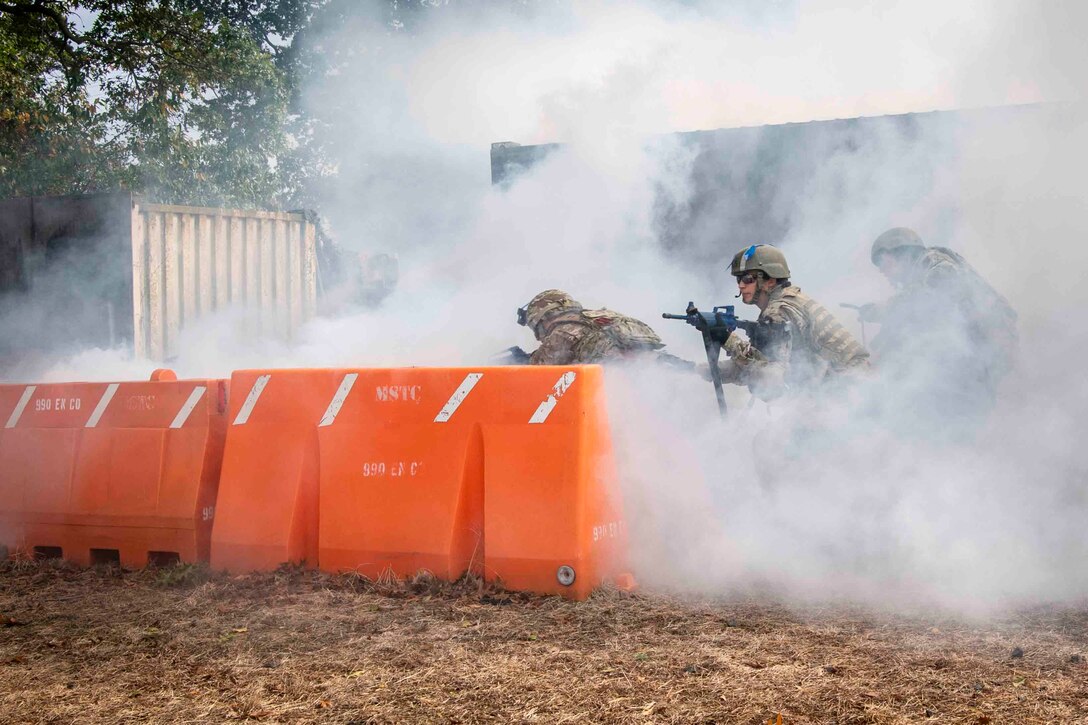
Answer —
338 399
545 408
183 414
20 406
458 397
251 399
101 407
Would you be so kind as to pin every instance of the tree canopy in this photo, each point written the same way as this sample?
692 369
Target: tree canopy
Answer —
187 101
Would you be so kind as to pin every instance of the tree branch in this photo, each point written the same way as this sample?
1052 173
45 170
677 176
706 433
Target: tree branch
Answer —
36 8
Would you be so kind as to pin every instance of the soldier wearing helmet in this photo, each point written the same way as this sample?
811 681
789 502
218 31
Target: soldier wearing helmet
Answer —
571 335
910 266
798 344
905 261
944 314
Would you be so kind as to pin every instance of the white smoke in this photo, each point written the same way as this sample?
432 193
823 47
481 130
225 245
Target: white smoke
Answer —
863 512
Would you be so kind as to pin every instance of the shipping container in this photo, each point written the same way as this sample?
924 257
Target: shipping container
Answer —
106 270
719 190
188 262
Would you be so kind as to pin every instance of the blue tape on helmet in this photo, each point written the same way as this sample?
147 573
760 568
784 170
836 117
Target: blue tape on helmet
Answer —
750 251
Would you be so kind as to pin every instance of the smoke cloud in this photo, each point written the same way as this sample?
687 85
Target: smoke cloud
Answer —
862 508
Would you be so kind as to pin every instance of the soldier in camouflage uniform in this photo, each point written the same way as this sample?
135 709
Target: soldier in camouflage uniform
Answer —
947 338
799 344
571 335
935 286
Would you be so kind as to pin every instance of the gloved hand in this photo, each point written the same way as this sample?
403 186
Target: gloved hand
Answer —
736 346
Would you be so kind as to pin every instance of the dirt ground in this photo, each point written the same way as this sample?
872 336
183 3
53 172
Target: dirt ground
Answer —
183 645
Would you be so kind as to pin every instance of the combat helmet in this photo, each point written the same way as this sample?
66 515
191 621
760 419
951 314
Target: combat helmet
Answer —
761 258
896 238
543 305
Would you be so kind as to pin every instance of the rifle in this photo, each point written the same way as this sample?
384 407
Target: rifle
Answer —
716 327
511 356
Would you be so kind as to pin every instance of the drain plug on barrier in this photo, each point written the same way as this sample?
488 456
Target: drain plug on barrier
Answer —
565 575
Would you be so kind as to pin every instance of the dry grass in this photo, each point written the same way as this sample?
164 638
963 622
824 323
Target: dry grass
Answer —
103 645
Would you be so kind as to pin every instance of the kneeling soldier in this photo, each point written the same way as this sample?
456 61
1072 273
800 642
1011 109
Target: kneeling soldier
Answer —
798 344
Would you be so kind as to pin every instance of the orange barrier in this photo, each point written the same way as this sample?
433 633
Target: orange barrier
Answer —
99 472
399 491
553 520
506 472
267 510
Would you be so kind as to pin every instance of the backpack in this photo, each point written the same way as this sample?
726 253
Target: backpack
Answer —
627 333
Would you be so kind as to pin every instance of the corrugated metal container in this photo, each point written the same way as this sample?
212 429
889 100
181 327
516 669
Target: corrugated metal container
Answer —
96 270
188 262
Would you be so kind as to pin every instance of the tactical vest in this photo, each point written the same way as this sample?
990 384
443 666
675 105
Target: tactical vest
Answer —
818 341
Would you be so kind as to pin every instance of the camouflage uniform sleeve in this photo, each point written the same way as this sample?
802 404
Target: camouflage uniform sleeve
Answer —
593 346
726 368
556 349
764 370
